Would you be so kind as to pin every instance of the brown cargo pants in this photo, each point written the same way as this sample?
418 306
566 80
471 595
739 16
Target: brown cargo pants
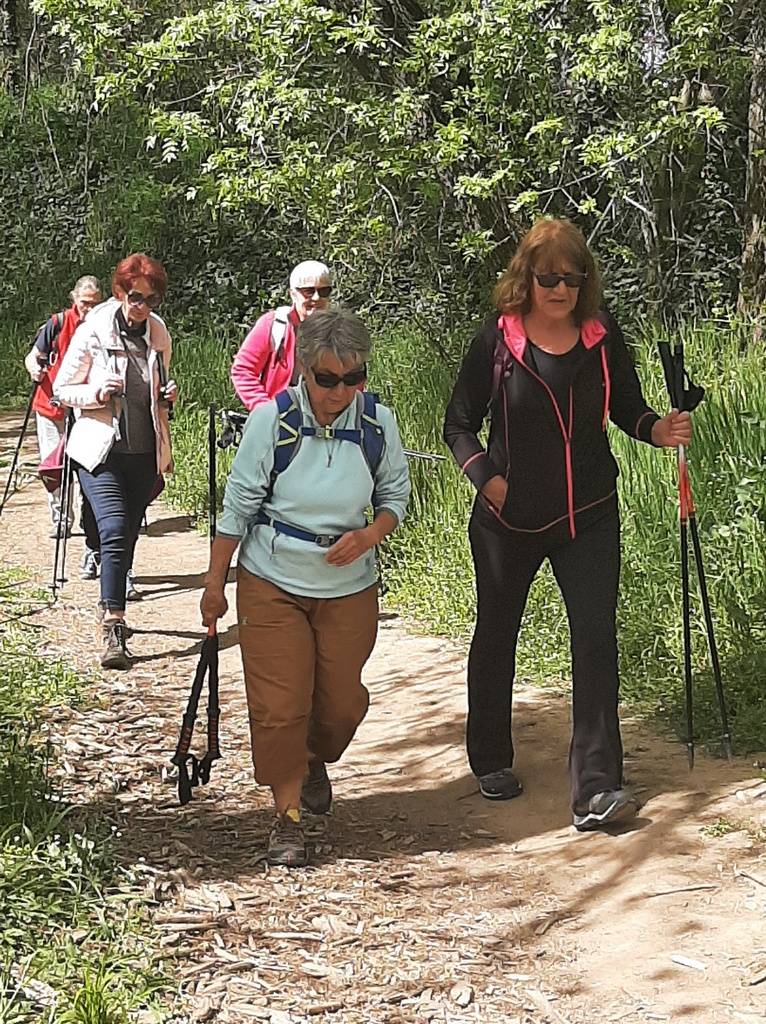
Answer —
302 659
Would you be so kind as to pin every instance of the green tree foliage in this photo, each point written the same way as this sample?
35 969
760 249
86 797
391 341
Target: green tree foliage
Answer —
408 143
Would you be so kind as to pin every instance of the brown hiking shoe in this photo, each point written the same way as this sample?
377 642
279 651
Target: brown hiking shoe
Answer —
287 842
115 654
316 793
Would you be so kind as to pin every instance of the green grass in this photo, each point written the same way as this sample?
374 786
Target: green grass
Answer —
427 566
429 569
75 947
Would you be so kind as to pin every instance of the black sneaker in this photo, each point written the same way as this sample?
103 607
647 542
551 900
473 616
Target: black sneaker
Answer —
115 654
502 785
287 842
613 805
316 794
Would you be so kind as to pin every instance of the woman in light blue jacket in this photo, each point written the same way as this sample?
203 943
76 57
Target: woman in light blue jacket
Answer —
311 462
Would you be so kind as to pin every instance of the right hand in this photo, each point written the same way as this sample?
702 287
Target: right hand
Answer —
213 605
112 385
495 490
35 367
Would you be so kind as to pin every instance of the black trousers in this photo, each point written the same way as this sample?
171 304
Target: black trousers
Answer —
587 571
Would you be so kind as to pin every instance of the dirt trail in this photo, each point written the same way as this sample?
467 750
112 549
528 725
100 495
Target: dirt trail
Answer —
424 902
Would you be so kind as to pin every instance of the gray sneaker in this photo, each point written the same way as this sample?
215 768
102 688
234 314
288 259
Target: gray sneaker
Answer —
114 653
287 842
131 594
607 808
316 793
89 564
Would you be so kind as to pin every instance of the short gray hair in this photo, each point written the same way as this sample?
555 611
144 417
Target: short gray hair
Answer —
88 283
332 330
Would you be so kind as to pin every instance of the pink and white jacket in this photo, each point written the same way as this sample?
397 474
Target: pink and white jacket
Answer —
259 373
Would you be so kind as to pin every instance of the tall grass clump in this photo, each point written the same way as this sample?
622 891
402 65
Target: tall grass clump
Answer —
428 562
202 358
73 937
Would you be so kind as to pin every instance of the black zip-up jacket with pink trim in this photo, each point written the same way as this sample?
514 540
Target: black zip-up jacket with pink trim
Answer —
557 466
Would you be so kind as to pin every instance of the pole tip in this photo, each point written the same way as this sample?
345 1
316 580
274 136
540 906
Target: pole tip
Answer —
690 755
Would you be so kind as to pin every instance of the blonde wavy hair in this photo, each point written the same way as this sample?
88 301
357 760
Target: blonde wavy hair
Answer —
549 243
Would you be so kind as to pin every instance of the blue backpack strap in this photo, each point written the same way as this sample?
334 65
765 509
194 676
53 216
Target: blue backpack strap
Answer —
373 437
368 433
289 438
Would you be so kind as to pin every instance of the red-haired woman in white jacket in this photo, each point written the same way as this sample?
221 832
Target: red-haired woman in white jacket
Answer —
115 376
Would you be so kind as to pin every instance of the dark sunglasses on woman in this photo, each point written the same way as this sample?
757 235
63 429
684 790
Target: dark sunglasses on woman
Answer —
572 280
352 379
310 290
138 299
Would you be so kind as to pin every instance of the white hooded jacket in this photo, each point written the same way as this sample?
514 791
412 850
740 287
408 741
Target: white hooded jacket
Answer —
95 353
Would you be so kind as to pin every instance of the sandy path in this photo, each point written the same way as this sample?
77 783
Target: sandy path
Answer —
424 902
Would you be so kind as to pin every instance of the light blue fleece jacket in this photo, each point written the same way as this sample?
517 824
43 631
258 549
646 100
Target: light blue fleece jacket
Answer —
326 489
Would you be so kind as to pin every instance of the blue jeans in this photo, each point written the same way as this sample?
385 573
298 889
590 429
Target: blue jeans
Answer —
118 491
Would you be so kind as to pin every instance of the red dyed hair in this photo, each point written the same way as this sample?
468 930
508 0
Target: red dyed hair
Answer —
138 264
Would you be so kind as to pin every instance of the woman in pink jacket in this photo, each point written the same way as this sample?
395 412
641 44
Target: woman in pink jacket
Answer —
265 364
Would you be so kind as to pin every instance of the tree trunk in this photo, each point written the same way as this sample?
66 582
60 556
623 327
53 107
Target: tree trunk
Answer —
9 44
752 294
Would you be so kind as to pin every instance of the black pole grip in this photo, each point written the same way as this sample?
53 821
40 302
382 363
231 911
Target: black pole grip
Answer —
668 370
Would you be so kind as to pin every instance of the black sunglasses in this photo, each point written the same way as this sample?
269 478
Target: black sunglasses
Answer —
138 299
331 380
573 280
308 292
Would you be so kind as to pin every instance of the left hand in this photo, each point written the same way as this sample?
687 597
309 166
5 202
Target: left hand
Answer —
170 391
352 545
673 429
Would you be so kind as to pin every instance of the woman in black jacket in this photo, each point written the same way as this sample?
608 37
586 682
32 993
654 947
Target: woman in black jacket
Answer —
549 368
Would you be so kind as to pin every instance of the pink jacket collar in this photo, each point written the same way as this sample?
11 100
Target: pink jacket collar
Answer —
512 326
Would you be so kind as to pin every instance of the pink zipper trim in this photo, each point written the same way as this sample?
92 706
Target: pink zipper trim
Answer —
553 522
607 386
570 480
473 458
567 445
641 418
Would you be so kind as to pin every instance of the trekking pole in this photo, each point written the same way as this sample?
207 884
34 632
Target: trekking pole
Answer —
162 370
411 453
687 399
212 465
15 460
200 773
62 525
696 394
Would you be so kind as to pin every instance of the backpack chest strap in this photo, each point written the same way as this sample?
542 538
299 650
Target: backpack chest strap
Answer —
333 434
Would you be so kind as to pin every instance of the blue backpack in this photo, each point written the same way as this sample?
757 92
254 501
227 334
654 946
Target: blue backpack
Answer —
368 432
